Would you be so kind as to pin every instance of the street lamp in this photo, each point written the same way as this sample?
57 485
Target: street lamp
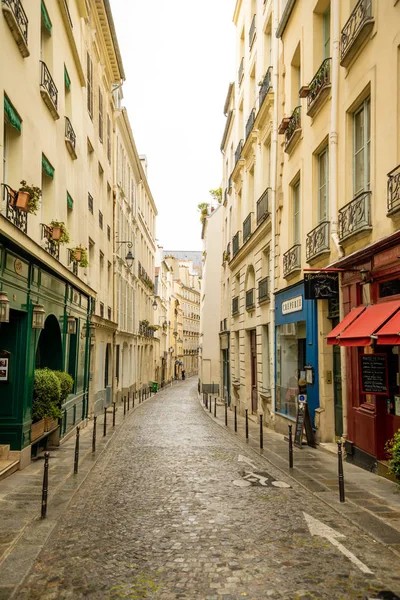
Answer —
71 325
4 308
38 317
129 258
154 305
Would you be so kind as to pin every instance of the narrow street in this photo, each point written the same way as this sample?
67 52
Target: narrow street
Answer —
169 511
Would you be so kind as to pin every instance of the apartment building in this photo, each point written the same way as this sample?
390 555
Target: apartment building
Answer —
163 285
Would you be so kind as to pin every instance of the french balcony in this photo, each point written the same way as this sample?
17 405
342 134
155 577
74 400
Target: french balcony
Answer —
250 299
292 260
250 122
266 86
235 305
263 207
48 90
393 191
293 130
70 139
247 228
263 290
241 71
356 31
17 21
18 217
51 246
319 88
355 216
235 243
252 32
317 241
238 151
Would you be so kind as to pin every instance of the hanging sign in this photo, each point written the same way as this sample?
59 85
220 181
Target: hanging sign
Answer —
321 286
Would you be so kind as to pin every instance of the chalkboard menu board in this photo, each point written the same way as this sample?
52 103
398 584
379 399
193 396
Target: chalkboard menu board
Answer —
374 374
303 420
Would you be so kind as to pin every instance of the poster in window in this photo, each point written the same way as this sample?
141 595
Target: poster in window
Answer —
4 366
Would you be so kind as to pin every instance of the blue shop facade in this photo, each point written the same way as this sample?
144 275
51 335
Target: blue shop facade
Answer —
296 354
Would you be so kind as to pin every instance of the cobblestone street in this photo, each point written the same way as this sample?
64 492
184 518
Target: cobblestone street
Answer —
178 508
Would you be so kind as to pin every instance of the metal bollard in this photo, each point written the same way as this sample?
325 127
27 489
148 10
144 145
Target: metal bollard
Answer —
247 423
114 411
261 433
76 459
341 475
133 399
235 418
45 485
105 422
290 448
226 414
128 401
94 434
206 401
215 406
209 403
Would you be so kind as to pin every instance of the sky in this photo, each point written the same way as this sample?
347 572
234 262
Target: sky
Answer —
178 57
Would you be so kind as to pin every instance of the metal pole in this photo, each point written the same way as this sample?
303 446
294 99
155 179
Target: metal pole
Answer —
215 406
341 475
261 433
206 400
133 399
124 405
105 422
45 484
114 411
235 418
94 434
226 414
290 448
76 460
209 402
247 423
128 401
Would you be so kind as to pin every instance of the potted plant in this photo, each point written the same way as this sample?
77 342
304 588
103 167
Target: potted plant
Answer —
59 232
45 402
28 198
79 255
392 447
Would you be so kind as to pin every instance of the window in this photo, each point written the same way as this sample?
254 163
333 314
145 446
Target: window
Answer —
323 185
265 359
296 213
100 219
100 116
291 358
101 309
108 232
361 148
108 139
326 33
90 203
5 152
89 80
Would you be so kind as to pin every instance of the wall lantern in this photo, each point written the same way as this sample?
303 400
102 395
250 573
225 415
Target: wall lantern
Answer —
365 276
154 305
129 258
4 308
38 316
71 325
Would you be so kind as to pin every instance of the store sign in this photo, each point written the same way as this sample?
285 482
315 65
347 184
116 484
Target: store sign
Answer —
321 286
292 305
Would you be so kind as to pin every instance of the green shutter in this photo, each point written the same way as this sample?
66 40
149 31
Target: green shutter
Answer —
67 79
70 202
46 18
47 168
12 114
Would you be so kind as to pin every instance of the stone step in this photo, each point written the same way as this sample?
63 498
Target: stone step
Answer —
7 467
4 451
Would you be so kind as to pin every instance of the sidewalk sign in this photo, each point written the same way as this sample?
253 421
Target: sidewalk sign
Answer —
303 420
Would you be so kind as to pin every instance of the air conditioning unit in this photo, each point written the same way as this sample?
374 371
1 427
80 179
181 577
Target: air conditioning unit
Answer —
289 329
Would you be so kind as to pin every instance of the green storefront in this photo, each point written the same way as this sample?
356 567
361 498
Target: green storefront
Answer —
62 344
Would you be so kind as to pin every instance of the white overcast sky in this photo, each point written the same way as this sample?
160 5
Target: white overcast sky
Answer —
178 57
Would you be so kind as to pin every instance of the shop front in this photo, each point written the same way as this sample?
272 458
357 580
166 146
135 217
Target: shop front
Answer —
296 354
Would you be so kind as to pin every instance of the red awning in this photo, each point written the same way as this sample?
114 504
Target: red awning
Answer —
390 332
349 318
360 331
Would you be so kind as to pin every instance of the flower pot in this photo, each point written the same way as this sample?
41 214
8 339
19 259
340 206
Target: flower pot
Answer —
37 430
78 255
23 201
56 233
50 423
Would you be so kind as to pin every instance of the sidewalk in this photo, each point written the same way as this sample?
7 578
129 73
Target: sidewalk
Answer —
371 502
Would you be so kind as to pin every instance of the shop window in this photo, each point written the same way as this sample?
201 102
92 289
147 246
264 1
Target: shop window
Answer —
290 361
361 148
389 288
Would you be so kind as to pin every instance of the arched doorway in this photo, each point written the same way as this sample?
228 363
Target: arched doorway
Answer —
49 348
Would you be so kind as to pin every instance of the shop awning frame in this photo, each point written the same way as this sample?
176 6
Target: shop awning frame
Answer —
365 328
333 337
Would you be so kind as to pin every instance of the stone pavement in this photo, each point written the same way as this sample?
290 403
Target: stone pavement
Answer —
177 507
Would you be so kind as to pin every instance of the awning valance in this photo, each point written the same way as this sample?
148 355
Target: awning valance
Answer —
360 332
70 202
46 18
390 333
12 115
332 338
47 167
67 79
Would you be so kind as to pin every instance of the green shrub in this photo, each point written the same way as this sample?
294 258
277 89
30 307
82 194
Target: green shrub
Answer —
66 382
393 449
46 395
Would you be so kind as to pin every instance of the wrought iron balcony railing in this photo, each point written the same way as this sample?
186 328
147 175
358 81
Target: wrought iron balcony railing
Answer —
235 305
262 206
48 90
241 71
252 31
356 31
15 15
238 151
355 216
235 243
250 299
70 138
393 190
293 130
51 246
18 217
250 122
265 86
318 90
292 260
263 289
317 241
247 228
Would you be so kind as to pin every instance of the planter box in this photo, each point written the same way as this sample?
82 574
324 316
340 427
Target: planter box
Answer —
23 201
50 423
56 233
37 430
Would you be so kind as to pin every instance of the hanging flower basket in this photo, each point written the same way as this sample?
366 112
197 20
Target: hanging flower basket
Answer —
56 234
79 255
22 201
59 232
28 198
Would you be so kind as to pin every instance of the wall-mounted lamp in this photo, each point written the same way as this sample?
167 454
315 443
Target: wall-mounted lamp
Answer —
154 305
365 276
38 316
71 325
129 258
171 350
4 308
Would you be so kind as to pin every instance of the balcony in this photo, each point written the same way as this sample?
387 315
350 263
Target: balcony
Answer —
17 21
393 191
319 88
252 32
250 122
48 91
70 139
235 305
266 86
247 228
355 216
292 260
262 207
18 217
241 71
250 299
238 151
263 290
51 246
293 130
317 241
356 31
235 243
